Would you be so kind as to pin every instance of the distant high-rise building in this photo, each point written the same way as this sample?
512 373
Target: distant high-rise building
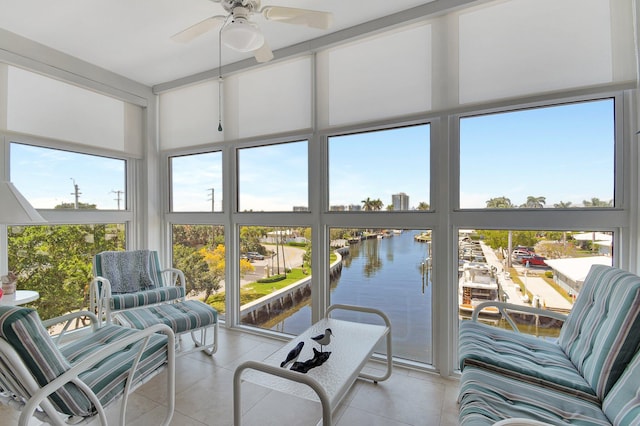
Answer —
337 208
355 207
300 208
400 201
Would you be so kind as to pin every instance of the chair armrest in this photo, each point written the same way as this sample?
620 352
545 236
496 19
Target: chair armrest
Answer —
177 277
71 375
99 295
503 307
67 320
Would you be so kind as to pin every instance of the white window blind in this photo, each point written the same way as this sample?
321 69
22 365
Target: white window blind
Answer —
275 98
189 116
519 47
46 107
384 76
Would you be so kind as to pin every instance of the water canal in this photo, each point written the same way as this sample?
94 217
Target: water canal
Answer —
387 274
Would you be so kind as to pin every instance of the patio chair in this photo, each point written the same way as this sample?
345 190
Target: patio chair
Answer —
132 279
72 382
130 289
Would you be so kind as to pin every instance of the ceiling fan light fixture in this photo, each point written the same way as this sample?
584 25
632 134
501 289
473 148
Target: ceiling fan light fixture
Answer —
242 35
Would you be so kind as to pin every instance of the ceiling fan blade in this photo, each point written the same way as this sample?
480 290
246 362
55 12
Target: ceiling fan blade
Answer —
264 53
292 15
198 29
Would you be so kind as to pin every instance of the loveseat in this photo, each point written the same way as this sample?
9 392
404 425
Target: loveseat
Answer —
589 375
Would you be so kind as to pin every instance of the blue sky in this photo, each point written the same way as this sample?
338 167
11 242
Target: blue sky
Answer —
563 153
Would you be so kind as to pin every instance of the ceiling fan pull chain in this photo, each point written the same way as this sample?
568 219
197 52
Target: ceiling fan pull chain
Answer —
220 80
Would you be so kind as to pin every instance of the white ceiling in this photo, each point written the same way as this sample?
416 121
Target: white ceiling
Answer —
132 37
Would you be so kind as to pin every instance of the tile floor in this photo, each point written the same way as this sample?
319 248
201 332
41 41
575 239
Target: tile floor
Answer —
204 395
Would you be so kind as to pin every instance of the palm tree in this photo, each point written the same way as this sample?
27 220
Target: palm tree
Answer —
503 203
596 202
534 202
499 203
377 204
368 204
423 206
562 205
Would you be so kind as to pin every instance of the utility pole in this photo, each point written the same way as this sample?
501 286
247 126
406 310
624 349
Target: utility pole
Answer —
76 192
118 194
213 193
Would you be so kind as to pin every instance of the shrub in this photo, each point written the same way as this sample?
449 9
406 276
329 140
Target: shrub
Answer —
272 279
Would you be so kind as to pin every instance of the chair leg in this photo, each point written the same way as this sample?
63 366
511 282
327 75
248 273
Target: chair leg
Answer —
210 349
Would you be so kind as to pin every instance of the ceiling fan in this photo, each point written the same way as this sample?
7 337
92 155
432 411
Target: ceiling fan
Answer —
238 32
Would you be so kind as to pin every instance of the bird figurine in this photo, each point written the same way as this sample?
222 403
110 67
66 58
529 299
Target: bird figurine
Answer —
293 355
323 339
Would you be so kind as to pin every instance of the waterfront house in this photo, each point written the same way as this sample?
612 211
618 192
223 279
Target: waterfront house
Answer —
104 80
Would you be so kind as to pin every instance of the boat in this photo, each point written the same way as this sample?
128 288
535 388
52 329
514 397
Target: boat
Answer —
423 237
477 284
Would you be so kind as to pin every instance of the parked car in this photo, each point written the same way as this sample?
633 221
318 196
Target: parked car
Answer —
254 255
533 260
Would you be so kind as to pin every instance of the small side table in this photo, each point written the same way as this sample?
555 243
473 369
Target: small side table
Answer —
20 297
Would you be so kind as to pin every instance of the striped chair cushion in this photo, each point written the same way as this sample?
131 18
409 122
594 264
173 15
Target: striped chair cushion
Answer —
183 316
23 329
622 403
602 332
147 297
521 356
108 378
486 397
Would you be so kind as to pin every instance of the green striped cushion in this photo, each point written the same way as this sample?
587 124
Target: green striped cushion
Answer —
486 397
108 378
521 356
602 331
146 297
622 403
23 329
181 317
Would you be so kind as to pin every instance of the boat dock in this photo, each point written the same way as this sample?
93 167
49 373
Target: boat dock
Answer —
546 295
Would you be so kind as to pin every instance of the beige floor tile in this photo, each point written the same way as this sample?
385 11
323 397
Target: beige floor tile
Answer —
204 394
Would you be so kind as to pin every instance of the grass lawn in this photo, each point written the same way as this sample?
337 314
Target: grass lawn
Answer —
256 290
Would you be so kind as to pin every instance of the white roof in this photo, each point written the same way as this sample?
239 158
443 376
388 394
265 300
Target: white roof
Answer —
592 236
577 268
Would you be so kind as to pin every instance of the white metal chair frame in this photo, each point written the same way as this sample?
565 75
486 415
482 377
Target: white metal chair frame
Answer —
26 395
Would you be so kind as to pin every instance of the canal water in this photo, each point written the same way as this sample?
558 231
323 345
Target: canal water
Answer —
388 274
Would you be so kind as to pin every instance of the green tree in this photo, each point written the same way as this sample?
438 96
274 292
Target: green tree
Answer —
534 202
499 203
423 206
596 202
250 239
368 204
56 261
563 205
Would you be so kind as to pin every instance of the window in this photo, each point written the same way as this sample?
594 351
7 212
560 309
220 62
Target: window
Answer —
199 252
57 179
275 271
56 261
273 178
544 269
552 157
380 171
196 182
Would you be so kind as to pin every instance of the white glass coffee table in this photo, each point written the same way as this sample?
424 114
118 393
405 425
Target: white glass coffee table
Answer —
351 347
19 297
